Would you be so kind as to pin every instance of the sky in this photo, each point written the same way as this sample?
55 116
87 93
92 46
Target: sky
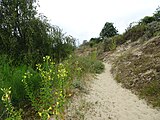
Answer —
84 19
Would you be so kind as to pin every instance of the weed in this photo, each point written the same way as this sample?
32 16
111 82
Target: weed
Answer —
12 113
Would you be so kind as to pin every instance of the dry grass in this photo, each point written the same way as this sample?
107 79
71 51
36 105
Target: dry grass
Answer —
139 70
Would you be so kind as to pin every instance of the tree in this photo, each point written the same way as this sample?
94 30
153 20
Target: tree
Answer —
108 30
62 45
17 19
28 37
157 14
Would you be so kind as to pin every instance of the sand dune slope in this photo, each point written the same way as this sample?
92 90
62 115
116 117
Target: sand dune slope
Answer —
112 102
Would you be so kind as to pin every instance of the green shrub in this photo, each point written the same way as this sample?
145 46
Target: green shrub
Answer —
119 39
98 67
135 32
50 95
88 64
94 41
12 113
147 19
11 76
109 44
153 29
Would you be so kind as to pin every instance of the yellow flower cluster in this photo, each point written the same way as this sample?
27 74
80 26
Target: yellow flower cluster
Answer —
47 58
39 67
62 72
6 95
52 75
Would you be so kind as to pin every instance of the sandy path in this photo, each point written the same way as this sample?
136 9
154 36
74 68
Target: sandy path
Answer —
109 101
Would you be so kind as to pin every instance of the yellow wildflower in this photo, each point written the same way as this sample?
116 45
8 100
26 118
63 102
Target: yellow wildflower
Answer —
50 108
70 95
57 103
57 112
40 114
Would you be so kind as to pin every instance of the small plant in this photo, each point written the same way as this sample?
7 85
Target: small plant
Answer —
51 97
12 113
109 44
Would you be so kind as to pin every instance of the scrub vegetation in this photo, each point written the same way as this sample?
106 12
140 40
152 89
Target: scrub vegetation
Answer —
41 67
134 54
38 67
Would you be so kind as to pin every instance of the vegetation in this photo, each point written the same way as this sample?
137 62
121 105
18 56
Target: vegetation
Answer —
138 69
108 30
146 28
37 70
46 88
25 37
137 66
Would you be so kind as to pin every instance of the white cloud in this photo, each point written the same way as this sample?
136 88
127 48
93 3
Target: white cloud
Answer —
84 19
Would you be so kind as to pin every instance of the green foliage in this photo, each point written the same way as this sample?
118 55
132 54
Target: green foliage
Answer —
25 37
109 44
51 92
11 77
94 41
153 29
157 14
63 46
147 19
48 87
89 64
108 30
15 25
119 39
148 27
135 32
12 113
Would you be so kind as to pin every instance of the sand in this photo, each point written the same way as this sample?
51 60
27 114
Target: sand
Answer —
109 101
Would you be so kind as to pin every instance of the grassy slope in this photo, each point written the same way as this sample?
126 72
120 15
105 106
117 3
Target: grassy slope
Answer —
138 69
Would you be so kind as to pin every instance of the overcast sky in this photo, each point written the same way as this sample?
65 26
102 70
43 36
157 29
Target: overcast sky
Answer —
84 19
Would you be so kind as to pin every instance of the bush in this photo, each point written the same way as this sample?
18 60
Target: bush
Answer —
153 29
50 96
94 41
88 64
109 44
11 77
135 32
119 39
147 19
13 114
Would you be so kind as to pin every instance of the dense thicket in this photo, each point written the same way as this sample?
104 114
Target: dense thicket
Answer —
27 36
